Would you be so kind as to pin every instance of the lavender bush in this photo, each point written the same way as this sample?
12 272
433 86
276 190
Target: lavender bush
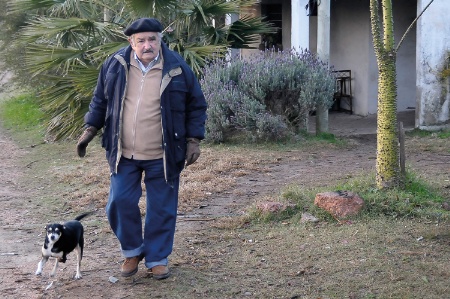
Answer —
267 97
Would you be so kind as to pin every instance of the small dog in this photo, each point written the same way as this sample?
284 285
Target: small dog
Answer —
60 240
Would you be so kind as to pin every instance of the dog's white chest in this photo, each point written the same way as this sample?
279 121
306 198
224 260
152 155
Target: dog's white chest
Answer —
48 252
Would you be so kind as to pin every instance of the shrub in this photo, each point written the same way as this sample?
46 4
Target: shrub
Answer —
268 96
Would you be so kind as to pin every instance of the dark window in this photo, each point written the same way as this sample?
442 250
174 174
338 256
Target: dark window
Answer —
272 13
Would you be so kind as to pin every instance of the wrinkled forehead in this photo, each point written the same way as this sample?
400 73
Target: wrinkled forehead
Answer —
145 36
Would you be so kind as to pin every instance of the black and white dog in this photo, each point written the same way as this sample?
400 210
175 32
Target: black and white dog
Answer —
60 240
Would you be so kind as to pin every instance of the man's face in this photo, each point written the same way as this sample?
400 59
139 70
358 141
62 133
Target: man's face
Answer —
146 45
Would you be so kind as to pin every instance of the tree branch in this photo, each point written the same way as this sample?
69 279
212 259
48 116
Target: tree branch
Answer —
375 26
388 25
411 26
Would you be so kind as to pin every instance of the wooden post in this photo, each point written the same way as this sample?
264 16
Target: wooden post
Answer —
401 140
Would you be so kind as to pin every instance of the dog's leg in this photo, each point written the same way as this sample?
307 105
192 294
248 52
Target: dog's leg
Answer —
78 252
54 267
41 265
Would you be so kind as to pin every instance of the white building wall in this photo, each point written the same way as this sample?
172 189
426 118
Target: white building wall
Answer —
404 15
433 46
300 25
352 48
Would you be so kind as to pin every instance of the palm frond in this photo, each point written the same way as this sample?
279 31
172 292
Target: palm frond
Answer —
202 13
101 53
215 35
41 59
151 8
58 8
197 56
29 5
75 8
60 31
67 100
246 3
247 31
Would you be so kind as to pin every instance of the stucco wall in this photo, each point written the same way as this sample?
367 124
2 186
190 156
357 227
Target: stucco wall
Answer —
433 46
404 15
352 48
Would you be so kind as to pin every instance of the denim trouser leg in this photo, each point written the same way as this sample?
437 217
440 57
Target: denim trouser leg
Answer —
124 214
160 220
122 208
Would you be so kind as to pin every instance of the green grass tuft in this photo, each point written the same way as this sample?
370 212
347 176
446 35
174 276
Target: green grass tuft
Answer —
416 199
442 134
21 113
22 116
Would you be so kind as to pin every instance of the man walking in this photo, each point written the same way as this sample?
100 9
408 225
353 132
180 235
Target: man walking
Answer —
152 111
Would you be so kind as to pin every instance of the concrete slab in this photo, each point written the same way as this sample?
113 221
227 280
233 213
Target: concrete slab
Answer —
345 124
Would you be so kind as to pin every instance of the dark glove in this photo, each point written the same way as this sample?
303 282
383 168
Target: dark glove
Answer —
192 151
84 140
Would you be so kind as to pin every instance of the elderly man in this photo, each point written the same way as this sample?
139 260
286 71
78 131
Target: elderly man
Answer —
153 112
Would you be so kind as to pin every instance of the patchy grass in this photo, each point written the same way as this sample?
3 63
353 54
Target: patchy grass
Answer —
22 117
399 249
21 113
442 134
435 140
417 199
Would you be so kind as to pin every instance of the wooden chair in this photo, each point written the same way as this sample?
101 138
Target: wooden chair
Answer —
343 90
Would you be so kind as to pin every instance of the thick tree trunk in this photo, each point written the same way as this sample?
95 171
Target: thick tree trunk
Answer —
387 165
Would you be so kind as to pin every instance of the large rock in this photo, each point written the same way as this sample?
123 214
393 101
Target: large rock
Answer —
340 204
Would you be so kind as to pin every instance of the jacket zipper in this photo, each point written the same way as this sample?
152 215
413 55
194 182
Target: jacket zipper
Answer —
164 83
119 141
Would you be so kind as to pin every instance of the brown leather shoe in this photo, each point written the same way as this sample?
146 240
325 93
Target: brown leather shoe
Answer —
130 265
160 272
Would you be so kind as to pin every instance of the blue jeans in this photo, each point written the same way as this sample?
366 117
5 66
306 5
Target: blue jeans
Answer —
156 242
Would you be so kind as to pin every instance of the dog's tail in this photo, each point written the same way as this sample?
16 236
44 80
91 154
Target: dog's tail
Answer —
84 215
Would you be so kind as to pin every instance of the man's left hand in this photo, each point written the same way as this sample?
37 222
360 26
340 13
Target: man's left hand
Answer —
192 151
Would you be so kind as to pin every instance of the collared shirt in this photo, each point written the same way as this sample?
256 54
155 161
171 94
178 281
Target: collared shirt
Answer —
150 65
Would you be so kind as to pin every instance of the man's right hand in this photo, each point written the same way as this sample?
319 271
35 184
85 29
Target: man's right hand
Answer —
84 140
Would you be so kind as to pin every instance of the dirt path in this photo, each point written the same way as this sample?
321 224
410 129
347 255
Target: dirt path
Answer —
23 218
15 234
199 248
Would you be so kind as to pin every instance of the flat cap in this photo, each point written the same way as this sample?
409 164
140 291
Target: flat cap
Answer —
143 25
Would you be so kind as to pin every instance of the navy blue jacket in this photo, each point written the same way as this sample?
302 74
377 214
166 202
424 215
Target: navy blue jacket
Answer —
183 107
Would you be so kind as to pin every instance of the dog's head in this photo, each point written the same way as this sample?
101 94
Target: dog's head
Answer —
54 232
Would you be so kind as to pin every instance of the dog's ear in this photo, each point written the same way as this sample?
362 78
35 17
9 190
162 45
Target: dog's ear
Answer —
46 227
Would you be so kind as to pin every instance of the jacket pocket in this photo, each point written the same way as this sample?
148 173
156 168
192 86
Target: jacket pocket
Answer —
177 94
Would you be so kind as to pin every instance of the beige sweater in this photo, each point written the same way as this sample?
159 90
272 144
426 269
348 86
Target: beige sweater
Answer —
141 119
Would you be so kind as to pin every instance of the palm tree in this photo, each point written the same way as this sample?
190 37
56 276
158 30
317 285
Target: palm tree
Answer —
67 41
